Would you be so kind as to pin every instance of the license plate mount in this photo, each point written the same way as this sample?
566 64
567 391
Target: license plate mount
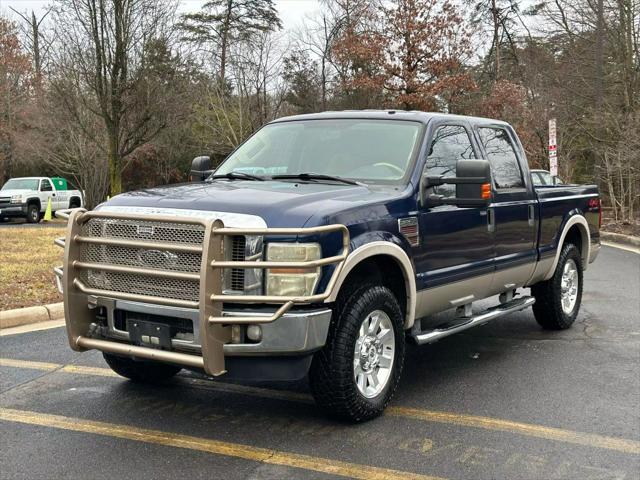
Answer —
149 334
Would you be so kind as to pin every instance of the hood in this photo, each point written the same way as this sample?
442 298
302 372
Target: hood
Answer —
14 191
278 203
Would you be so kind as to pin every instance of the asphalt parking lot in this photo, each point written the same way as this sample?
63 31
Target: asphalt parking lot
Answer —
506 400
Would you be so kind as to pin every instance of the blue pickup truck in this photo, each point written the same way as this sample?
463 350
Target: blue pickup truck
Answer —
319 247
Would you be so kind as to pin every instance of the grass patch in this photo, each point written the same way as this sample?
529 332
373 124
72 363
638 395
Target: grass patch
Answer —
26 269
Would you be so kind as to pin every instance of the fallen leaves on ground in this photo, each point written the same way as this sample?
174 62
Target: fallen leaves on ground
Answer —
28 256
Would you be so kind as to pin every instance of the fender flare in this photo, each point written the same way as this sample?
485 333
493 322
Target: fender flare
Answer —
382 248
583 227
34 200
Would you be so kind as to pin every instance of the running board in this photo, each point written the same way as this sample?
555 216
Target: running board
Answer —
480 319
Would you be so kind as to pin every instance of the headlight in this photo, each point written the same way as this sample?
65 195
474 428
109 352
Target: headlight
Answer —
292 281
16 198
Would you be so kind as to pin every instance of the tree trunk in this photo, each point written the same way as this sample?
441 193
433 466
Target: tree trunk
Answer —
224 44
36 49
496 40
115 167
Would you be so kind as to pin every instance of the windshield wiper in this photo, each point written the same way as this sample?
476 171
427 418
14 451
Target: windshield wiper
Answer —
317 176
237 176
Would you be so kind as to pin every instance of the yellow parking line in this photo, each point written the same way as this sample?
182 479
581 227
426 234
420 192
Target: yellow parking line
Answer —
487 423
48 367
10 362
247 452
547 433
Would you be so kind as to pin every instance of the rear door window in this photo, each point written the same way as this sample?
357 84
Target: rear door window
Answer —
502 156
45 186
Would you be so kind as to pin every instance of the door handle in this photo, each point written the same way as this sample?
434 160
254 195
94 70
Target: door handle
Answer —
491 220
532 215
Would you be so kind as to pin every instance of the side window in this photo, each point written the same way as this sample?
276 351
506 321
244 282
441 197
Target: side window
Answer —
450 143
535 178
546 178
502 156
45 186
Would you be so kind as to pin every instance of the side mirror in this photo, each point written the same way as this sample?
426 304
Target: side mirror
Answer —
473 185
200 168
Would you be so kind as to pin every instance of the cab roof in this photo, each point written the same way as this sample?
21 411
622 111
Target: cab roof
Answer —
410 115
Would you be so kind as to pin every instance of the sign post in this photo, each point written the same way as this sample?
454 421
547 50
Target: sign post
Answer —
553 148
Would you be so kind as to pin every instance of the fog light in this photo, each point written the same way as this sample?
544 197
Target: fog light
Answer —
254 333
236 334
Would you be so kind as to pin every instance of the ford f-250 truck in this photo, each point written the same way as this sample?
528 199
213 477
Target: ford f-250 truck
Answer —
320 246
27 197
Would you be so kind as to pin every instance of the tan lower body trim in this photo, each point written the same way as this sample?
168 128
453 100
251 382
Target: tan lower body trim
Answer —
438 299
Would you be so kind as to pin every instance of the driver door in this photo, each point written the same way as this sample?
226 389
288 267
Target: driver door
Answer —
46 193
455 258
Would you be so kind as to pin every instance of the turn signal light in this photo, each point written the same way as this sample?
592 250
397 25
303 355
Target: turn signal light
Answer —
486 191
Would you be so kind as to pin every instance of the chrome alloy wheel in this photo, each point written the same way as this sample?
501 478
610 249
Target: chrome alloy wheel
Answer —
569 286
374 354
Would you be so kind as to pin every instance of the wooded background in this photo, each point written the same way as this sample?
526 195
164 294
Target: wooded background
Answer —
122 94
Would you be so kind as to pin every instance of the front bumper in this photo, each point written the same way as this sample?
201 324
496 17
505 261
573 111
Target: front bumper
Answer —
297 332
285 330
13 210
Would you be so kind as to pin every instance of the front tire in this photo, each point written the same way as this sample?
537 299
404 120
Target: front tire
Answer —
140 371
357 372
558 299
33 213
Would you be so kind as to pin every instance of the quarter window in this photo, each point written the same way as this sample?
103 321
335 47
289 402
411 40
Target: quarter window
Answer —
502 156
450 143
46 186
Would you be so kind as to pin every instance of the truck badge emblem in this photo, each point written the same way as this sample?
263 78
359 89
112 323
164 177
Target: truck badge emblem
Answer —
145 230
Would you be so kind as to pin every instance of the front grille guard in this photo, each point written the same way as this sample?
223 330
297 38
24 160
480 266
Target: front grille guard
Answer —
214 327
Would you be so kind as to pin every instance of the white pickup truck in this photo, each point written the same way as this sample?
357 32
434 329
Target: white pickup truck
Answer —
28 197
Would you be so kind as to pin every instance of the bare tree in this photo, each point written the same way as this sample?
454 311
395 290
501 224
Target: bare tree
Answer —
105 42
221 23
16 78
37 45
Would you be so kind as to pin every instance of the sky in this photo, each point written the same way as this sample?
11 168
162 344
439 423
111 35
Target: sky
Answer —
291 11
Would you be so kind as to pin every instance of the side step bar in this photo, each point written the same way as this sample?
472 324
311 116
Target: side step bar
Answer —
480 319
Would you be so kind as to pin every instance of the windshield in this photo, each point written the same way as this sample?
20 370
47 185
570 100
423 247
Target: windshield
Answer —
358 149
21 184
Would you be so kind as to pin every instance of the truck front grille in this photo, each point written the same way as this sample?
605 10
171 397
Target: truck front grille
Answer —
158 259
238 246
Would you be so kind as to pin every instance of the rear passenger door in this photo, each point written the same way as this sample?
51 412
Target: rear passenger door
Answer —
513 209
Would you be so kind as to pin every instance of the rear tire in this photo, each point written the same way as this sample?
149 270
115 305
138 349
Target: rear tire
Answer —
140 371
357 372
558 299
33 213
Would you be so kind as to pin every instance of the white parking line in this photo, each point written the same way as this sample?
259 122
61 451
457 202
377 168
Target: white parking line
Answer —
622 247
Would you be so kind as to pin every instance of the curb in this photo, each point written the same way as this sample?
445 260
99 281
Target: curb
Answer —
27 315
628 240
